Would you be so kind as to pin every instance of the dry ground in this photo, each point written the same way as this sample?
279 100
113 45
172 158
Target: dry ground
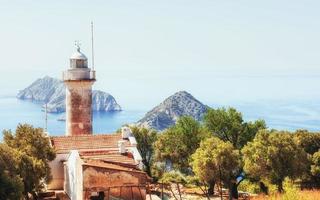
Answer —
301 195
195 193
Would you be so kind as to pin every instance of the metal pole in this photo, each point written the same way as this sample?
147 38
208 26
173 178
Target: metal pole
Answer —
92 50
46 118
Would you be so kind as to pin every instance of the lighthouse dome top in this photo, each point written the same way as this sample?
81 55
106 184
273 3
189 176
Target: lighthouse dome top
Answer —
78 59
78 55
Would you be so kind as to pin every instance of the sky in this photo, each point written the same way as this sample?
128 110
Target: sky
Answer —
145 50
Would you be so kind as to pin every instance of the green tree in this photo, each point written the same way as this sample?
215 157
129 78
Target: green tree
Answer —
35 152
228 125
217 160
273 156
145 139
315 167
11 185
179 142
309 141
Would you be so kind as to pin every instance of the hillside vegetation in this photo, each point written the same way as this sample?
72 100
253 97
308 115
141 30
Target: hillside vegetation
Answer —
224 151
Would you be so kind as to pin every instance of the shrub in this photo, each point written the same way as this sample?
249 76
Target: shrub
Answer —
291 191
248 186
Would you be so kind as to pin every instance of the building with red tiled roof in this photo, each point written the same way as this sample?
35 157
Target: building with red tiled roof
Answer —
99 155
88 166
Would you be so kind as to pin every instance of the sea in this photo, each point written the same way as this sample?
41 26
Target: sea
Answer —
14 111
278 114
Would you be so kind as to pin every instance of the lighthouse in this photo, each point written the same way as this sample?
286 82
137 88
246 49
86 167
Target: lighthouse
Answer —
79 80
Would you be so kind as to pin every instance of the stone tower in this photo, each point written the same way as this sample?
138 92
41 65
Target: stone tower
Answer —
79 80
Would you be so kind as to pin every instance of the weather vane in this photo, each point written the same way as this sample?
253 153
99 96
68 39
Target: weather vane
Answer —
77 44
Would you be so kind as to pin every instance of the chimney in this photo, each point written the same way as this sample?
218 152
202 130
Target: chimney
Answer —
125 132
122 148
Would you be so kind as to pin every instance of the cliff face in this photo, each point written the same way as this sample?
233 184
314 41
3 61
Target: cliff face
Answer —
167 113
104 101
41 90
52 91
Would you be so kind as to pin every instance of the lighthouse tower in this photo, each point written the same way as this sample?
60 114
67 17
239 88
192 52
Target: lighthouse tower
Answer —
78 80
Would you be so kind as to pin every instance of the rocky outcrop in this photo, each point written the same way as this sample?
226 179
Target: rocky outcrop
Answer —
42 90
167 113
52 91
104 101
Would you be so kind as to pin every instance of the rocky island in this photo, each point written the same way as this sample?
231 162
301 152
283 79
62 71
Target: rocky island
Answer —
167 113
52 91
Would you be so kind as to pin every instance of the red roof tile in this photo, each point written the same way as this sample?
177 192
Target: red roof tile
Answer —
97 163
110 156
87 142
96 147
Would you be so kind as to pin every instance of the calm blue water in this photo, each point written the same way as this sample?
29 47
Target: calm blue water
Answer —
278 114
14 111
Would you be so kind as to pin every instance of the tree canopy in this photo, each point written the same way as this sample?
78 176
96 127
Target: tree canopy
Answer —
145 144
274 155
216 160
228 125
309 141
179 142
315 167
32 153
11 185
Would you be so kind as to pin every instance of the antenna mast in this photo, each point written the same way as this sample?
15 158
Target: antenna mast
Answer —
46 118
92 50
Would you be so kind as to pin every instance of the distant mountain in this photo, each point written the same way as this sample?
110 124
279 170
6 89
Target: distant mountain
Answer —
53 92
166 113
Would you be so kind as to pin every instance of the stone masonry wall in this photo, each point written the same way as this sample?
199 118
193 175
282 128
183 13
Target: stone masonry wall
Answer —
78 107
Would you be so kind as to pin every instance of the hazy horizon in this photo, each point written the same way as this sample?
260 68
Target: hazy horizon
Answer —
220 52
